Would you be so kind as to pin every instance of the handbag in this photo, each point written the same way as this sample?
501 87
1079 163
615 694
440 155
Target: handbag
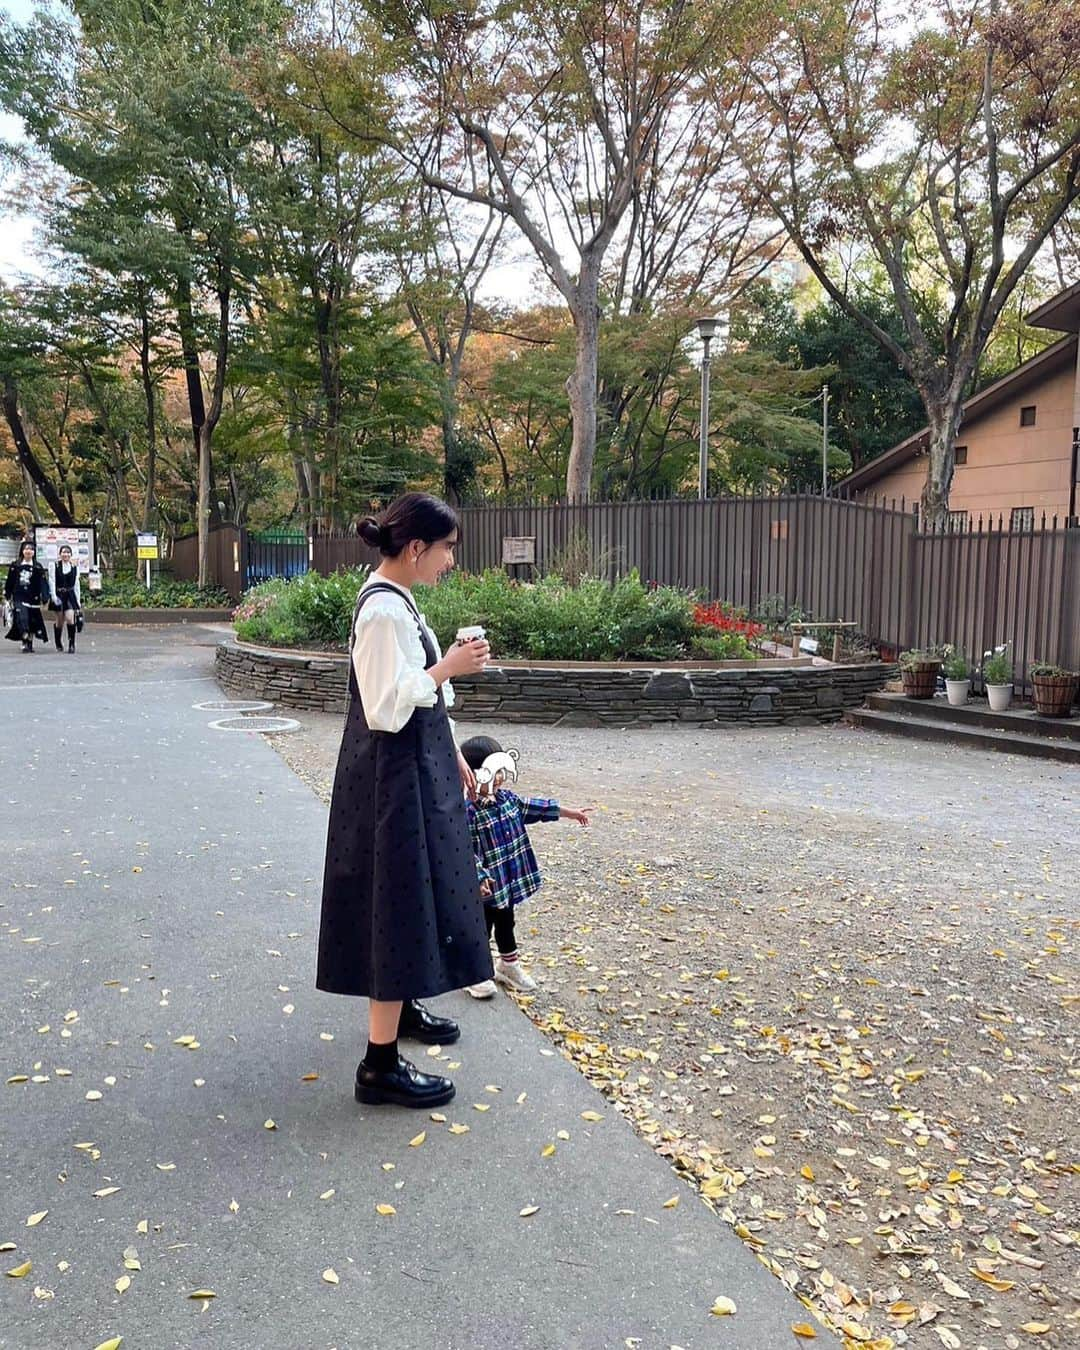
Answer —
79 624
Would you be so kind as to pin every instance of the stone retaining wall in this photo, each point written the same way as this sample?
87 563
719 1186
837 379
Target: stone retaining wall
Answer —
582 695
104 614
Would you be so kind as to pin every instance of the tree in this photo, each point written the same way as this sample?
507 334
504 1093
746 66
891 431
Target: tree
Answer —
546 113
948 154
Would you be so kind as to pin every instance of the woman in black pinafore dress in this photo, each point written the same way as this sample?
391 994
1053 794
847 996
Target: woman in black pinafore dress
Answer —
402 917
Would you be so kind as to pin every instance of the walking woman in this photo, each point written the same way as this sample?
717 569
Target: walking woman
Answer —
66 598
26 587
401 912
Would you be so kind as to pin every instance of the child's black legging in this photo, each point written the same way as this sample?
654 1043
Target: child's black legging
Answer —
501 923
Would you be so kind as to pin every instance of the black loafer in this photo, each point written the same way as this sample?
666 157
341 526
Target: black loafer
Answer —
404 1085
417 1024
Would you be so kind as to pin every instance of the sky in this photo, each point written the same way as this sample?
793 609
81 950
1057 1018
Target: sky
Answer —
16 231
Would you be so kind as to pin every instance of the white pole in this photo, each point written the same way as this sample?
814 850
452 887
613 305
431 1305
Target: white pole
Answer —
703 446
148 574
825 441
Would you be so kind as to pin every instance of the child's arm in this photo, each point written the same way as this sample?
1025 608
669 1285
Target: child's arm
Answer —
534 810
487 884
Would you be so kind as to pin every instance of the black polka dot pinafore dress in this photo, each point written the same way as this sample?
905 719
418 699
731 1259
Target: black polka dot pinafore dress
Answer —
401 910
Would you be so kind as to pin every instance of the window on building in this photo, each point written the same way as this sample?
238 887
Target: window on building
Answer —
1022 518
1027 416
959 522
960 454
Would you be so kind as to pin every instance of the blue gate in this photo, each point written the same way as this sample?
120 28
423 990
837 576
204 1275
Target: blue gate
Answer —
275 553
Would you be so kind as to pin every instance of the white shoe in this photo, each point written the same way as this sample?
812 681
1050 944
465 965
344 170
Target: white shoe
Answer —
513 976
485 989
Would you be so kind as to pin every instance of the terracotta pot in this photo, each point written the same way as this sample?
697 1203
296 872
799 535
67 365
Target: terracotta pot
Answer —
920 681
1053 695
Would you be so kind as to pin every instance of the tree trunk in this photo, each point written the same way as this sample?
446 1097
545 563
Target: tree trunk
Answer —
943 418
581 386
27 459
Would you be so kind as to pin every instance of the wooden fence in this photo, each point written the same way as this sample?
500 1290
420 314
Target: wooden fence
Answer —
829 558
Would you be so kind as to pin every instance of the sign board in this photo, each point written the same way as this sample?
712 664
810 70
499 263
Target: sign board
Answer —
519 550
82 539
146 546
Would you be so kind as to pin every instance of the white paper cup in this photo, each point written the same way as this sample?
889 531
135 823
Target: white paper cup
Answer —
474 634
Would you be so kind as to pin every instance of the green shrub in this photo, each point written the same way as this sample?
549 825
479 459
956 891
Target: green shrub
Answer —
546 620
130 593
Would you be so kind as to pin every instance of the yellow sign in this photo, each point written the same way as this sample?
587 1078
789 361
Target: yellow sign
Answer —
146 551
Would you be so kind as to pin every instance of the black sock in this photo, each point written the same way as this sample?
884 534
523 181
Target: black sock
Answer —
503 924
381 1058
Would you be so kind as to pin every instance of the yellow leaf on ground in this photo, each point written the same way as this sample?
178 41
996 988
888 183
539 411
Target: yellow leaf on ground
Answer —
114 1344
165 1167
269 1125
418 1139
385 1210
330 1275
459 1129
93 1095
672 1203
998 1285
309 1077
807 1172
327 1195
105 1190
547 1151
20 1271
234 1207
805 1330
35 1219
1035 1328
592 1116
123 1284
481 1106
528 1210
7 1246
723 1307
143 1226
18 1078
714 1187
203 1293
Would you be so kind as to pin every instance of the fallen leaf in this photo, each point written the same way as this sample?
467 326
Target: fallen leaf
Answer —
385 1210
234 1207
20 1271
330 1275
591 1116
547 1151
93 1095
114 1344
418 1139
269 1125
7 1246
105 1190
672 1203
805 1330
528 1210
459 1129
165 1167
723 1307
123 1284
35 1219
309 1077
18 1078
951 1287
807 1172
481 1106
438 1118
1035 1328
203 1293
143 1226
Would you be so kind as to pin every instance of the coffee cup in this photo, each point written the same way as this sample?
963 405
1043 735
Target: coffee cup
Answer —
475 633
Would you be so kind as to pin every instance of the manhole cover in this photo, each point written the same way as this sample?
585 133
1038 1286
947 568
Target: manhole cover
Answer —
233 705
255 723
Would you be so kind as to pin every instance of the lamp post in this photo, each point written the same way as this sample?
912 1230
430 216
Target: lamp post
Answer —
706 328
825 441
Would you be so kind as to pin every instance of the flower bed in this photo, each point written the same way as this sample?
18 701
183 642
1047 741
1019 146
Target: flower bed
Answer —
131 593
546 620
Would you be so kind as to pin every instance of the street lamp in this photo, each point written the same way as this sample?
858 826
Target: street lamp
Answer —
706 328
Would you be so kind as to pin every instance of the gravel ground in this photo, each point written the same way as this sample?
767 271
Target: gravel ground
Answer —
829 976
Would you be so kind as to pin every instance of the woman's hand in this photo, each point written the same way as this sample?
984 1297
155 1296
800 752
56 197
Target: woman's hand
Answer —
463 658
468 778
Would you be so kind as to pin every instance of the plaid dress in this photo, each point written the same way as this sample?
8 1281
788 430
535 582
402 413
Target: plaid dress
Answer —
504 855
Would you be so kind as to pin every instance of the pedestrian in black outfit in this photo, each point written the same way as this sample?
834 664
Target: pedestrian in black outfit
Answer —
66 598
27 588
401 911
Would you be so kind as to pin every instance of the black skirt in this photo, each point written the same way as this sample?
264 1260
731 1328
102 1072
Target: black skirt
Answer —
26 622
402 915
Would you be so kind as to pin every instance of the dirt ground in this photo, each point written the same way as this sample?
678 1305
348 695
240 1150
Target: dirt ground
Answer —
829 975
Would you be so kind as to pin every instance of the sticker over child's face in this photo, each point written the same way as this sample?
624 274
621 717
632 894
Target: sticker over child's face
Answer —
495 772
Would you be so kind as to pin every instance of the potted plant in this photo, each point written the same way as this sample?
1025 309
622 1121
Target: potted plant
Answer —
957 676
997 674
919 670
1053 689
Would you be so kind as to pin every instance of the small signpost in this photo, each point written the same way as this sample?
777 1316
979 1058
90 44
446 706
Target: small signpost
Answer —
519 550
146 550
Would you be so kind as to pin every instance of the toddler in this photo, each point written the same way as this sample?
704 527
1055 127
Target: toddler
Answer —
505 860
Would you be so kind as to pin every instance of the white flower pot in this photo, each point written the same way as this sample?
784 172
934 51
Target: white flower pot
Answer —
1000 696
958 691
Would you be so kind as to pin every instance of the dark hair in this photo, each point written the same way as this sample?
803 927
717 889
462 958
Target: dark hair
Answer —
417 515
477 748
62 548
27 543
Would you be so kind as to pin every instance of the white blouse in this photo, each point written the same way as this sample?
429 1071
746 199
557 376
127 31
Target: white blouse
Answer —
388 658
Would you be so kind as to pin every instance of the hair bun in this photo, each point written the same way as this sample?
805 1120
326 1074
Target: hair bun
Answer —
371 532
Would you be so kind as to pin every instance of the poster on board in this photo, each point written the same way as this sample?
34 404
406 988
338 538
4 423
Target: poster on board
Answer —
82 539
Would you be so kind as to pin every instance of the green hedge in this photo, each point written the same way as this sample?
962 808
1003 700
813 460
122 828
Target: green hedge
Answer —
548 620
131 593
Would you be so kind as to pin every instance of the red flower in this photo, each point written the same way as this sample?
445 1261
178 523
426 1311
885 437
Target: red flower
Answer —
726 620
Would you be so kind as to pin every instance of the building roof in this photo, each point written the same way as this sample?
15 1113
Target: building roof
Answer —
1049 362
1061 312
